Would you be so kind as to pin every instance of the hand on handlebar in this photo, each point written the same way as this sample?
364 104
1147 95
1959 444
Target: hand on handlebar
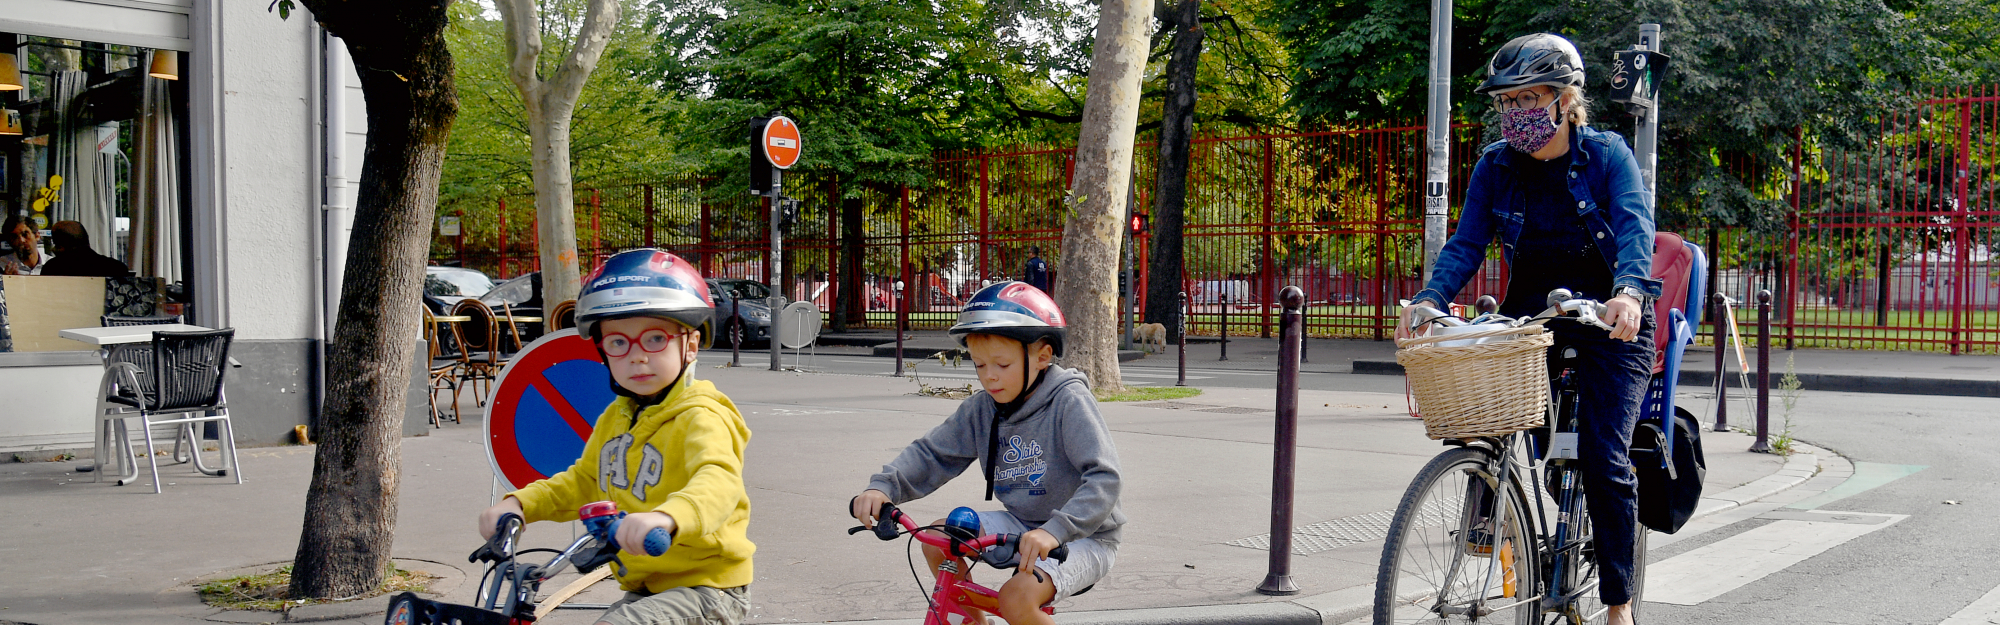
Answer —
1409 318
1034 545
866 506
490 518
1622 312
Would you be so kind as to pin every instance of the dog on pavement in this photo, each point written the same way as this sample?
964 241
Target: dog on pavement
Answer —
1151 334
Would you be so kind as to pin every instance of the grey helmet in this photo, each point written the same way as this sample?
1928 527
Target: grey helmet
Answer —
1530 60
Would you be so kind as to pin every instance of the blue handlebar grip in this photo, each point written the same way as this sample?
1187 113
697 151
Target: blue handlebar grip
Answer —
657 541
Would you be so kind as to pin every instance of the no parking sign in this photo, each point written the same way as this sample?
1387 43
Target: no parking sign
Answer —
545 406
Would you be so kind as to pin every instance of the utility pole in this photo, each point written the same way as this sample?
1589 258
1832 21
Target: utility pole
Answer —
1437 179
1647 143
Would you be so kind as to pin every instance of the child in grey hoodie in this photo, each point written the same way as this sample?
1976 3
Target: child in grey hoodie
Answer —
1041 443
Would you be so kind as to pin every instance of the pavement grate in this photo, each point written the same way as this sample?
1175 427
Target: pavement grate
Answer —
1237 410
1337 533
1176 405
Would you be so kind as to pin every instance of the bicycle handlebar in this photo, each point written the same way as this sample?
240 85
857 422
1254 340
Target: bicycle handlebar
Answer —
500 546
601 519
1002 546
1561 305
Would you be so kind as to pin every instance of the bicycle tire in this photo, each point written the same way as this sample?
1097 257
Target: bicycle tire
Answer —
1589 608
1425 545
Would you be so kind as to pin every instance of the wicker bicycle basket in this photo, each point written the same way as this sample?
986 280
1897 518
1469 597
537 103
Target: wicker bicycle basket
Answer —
1490 389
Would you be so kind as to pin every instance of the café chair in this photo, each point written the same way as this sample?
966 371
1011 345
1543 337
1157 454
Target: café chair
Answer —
563 316
141 356
181 387
445 361
479 339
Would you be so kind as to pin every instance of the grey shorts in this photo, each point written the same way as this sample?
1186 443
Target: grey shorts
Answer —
690 605
1089 560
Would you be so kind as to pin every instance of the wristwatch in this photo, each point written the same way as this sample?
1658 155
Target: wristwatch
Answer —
1636 293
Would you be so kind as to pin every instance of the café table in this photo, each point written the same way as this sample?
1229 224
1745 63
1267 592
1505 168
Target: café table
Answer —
110 339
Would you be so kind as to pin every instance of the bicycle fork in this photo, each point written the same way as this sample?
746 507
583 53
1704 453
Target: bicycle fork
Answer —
1499 565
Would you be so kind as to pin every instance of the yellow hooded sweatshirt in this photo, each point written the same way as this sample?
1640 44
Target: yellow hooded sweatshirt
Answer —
684 457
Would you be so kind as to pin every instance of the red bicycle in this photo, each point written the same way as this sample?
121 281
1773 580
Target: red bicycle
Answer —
955 591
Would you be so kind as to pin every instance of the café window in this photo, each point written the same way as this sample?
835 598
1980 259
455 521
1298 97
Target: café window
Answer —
94 185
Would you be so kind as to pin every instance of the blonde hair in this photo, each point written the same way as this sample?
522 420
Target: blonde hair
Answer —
1578 112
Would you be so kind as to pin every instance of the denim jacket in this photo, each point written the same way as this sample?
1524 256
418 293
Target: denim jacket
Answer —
1604 180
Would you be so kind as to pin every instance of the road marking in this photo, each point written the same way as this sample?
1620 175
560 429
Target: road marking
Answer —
1712 570
1982 612
1867 475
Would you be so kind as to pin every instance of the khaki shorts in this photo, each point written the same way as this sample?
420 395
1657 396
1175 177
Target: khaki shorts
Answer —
1089 560
690 605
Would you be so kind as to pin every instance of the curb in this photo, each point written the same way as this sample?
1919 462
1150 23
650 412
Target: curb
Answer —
1809 381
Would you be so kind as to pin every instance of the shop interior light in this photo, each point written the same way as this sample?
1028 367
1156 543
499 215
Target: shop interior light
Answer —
10 122
10 73
166 64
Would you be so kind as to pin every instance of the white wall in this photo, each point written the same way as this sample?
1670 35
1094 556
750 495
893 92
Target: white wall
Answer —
271 197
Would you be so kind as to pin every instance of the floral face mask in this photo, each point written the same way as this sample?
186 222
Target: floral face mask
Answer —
1529 130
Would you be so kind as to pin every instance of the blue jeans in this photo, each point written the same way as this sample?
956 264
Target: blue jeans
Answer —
1610 377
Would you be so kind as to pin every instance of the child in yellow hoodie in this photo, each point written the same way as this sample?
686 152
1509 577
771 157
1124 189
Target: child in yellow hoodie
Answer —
669 450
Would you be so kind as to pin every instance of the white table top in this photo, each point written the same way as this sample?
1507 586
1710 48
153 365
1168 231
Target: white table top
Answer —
125 334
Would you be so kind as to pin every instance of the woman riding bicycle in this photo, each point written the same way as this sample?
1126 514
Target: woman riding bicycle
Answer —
1570 211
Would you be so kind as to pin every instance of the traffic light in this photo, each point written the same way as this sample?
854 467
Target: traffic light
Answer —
1138 224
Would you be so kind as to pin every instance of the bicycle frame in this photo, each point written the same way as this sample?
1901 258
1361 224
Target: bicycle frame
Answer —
954 590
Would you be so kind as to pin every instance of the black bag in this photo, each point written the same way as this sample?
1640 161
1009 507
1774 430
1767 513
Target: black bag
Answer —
1668 492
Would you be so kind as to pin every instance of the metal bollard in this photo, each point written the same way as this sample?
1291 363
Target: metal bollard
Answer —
1225 328
1305 329
1278 581
1181 378
1763 444
897 327
735 326
1716 313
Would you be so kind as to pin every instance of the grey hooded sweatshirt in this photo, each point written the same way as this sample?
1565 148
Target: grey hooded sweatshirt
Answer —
1057 467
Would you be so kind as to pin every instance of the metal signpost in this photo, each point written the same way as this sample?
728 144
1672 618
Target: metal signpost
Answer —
1437 177
777 147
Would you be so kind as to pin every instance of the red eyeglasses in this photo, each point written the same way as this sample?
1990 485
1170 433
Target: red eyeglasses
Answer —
651 341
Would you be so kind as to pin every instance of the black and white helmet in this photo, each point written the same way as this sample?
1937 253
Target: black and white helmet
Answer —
1531 60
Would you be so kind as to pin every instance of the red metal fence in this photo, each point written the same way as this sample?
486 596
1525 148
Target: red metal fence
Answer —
1338 213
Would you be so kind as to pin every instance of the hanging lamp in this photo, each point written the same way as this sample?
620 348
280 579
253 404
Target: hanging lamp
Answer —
10 73
166 64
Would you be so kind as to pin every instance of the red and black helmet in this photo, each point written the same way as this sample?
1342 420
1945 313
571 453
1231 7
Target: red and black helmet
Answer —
1015 310
646 283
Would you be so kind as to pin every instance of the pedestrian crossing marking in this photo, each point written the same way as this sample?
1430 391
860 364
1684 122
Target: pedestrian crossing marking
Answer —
1725 565
1982 612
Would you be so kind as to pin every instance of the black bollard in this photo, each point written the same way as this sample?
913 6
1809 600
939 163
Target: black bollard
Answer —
1305 331
1278 581
1763 444
736 333
1181 378
1717 312
1224 327
897 327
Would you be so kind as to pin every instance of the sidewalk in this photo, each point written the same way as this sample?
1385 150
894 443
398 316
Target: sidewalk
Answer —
1196 492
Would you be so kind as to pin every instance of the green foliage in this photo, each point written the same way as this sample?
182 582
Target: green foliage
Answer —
612 136
1788 394
1151 393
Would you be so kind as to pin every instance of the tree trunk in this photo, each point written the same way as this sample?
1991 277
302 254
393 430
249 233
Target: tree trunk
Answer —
550 104
1087 285
1165 268
406 78
853 305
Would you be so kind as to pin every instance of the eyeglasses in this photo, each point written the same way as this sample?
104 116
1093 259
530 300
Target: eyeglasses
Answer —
651 341
1530 99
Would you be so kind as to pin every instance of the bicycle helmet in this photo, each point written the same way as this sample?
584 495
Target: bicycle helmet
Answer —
1530 60
646 283
1015 310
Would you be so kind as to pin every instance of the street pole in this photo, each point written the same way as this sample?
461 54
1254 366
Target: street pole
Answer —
1437 179
1278 579
1763 442
1647 141
777 265
898 328
735 331
1225 325
1721 345
1181 378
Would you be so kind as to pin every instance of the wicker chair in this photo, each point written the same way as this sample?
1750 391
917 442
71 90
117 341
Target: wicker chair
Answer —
479 341
563 316
445 363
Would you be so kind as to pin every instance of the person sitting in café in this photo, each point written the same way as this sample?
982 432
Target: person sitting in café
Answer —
74 257
26 237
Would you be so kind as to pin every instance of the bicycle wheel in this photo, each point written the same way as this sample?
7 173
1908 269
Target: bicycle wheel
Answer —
1456 553
1589 608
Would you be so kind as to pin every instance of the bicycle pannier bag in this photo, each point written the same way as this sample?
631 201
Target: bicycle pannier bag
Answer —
1668 493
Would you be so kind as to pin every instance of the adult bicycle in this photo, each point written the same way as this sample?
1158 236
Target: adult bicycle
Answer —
1494 529
954 592
509 591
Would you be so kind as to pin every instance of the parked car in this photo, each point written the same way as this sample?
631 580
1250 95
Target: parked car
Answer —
449 285
751 296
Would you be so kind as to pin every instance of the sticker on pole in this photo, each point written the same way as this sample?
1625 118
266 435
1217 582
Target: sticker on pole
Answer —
544 408
780 142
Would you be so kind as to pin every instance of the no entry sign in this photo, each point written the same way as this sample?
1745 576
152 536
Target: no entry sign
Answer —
780 142
544 408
